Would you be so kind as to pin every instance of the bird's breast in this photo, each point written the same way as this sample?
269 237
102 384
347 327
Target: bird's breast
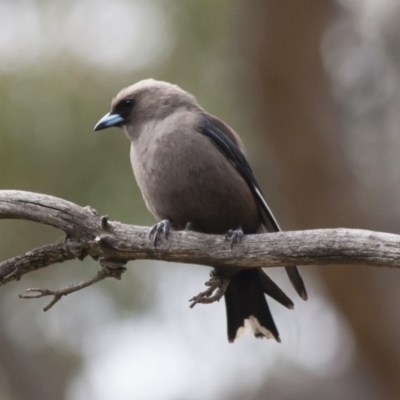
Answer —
184 178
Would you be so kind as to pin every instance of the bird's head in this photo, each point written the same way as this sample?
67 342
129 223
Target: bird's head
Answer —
145 101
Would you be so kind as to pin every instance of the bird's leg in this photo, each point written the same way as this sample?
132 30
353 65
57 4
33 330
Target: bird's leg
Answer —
235 236
159 228
217 288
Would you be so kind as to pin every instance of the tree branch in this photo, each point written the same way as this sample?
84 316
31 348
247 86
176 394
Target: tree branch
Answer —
105 272
89 234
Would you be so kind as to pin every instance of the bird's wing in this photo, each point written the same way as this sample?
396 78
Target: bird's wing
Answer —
228 143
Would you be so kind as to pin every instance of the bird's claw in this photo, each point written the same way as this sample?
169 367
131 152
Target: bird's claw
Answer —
217 288
235 236
161 228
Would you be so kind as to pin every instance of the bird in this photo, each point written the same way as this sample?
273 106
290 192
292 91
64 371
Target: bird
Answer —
191 169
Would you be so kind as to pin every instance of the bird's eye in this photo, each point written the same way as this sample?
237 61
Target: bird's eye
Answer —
128 103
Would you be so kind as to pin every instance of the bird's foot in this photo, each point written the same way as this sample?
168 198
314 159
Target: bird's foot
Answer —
217 288
161 228
235 236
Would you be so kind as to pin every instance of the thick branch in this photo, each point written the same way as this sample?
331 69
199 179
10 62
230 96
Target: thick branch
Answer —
90 234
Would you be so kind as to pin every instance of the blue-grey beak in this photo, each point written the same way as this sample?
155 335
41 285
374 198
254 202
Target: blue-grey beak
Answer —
108 121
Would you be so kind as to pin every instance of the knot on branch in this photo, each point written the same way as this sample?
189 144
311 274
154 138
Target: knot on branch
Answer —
112 268
91 210
105 240
105 223
78 248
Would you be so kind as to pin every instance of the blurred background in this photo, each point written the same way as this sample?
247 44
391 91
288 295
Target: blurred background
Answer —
312 86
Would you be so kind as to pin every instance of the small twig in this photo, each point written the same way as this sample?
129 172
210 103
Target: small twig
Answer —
105 272
104 222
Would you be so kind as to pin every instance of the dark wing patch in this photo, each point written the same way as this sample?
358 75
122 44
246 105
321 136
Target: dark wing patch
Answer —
227 131
228 143
232 152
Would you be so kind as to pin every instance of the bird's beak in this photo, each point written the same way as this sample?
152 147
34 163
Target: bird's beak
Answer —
108 121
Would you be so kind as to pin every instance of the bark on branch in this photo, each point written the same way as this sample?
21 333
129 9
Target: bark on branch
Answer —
114 243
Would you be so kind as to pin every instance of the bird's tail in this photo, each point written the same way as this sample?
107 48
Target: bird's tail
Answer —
246 305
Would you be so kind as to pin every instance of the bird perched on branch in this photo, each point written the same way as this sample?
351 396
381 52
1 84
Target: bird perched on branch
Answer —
191 170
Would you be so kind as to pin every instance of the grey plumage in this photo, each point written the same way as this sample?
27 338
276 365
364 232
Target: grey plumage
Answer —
190 168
